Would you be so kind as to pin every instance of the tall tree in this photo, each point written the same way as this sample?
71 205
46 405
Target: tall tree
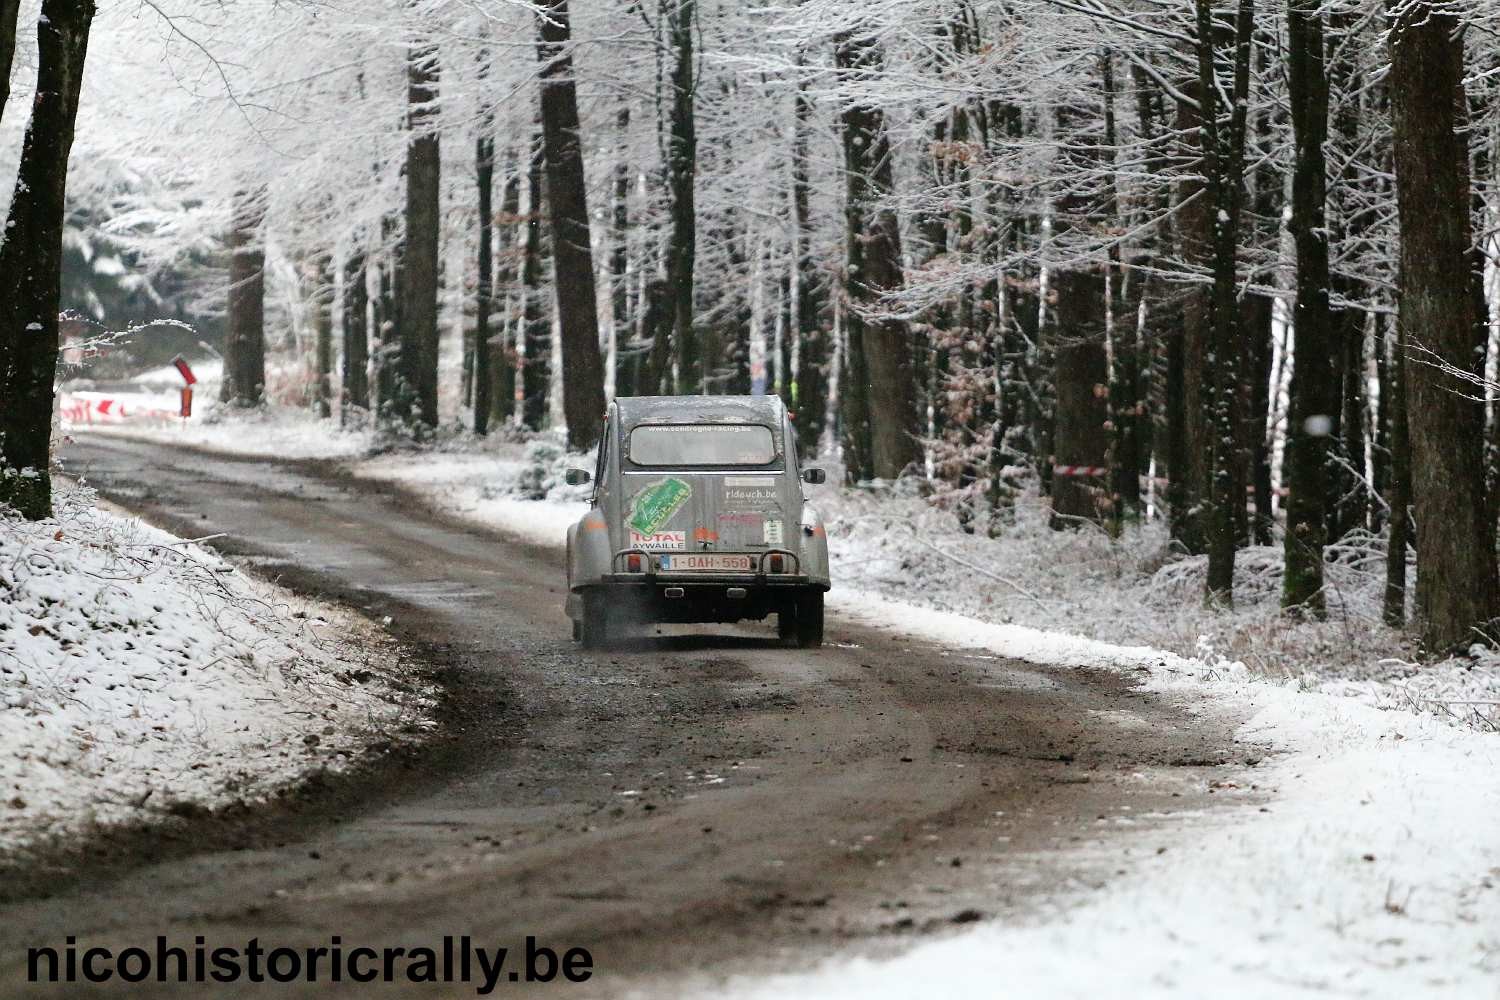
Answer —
627 361
536 326
807 393
504 354
1223 141
244 382
10 11
682 178
1081 439
1457 589
323 289
572 253
1313 392
31 261
1393 412
416 398
484 167
355 357
879 345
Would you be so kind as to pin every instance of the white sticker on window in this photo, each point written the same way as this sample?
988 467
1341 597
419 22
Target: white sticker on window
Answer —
774 534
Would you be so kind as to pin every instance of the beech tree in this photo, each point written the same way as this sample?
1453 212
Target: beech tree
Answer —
1455 537
31 259
1312 396
567 200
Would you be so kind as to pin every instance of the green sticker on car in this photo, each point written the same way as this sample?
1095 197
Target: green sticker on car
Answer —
657 504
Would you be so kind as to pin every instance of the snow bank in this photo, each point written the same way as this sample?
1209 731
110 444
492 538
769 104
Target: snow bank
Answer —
141 675
1373 871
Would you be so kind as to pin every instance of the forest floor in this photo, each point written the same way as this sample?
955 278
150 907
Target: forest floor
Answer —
1359 860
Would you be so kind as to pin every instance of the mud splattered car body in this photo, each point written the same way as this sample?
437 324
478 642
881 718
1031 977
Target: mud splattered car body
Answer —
699 515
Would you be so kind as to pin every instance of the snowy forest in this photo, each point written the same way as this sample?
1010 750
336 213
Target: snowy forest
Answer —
1224 263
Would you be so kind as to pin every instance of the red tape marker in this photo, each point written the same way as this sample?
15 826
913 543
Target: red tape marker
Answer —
184 371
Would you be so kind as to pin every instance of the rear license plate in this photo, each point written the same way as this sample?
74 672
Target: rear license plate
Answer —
707 563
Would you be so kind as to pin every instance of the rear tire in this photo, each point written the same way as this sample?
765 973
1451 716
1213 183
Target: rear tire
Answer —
577 631
594 630
809 620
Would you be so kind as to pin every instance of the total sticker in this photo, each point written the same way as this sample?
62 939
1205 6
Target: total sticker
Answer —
774 533
661 541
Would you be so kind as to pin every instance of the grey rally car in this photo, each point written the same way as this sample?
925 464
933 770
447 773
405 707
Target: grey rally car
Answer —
698 516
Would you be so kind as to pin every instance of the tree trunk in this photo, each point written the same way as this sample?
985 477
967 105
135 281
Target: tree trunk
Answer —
880 349
244 382
1399 495
627 354
536 326
1081 440
323 338
1456 578
1313 389
504 355
572 255
1224 165
1081 485
416 394
484 164
355 396
1260 316
682 171
808 386
9 12
31 262
1187 404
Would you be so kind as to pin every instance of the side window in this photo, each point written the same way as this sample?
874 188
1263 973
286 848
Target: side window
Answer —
793 460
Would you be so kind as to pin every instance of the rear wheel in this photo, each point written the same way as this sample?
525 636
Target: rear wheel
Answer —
809 620
594 630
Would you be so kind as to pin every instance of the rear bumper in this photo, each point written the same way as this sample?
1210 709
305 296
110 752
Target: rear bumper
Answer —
697 598
718 581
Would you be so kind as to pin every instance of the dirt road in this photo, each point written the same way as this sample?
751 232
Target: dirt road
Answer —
707 802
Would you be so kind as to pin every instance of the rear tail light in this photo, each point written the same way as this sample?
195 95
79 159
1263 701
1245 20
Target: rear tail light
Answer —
778 564
633 564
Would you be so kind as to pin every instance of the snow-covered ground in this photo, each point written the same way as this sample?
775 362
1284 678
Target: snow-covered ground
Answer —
1366 864
142 676
1372 871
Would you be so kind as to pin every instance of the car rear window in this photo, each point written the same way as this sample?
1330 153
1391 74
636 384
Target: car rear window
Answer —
687 445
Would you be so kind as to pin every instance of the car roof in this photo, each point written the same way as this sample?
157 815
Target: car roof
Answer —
637 410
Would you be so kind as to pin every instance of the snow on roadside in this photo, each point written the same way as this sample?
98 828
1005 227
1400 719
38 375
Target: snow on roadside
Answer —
508 487
1373 871
273 431
141 676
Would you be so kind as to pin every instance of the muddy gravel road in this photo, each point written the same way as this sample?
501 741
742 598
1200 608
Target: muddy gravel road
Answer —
702 803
